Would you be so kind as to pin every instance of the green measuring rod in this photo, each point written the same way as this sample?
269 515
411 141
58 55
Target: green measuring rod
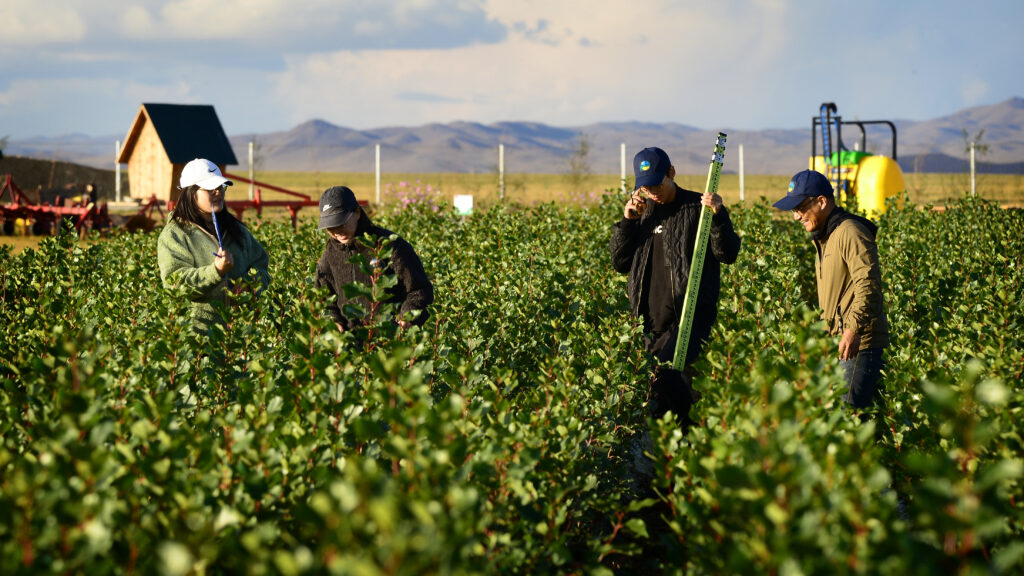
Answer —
697 264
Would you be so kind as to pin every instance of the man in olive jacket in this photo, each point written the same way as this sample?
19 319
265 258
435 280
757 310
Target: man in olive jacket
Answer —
654 242
849 281
344 221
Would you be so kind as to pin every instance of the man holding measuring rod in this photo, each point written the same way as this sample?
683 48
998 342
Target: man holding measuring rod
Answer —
654 243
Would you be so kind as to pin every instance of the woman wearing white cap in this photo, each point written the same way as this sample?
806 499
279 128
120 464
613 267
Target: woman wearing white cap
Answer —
203 249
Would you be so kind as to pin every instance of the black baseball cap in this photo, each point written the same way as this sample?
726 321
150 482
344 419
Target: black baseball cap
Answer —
804 185
337 205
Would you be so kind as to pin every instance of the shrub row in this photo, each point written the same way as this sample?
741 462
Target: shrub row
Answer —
497 438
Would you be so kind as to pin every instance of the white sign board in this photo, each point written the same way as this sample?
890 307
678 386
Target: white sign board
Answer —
463 204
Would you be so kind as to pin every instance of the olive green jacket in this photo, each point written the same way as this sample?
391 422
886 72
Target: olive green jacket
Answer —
850 279
185 254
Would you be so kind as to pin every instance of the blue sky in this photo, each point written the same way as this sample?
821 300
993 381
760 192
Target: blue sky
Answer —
68 66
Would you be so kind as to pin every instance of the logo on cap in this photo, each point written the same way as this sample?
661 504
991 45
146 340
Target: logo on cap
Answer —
328 206
792 184
645 165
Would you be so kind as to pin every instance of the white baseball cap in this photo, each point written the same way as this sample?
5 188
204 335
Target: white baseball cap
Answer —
202 173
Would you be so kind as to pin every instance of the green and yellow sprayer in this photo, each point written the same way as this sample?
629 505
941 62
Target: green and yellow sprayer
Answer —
857 174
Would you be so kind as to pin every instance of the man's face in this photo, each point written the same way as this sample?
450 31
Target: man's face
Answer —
662 193
345 233
811 213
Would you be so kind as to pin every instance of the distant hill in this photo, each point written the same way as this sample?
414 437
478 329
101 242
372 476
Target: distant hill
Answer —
932 146
933 163
43 180
78 148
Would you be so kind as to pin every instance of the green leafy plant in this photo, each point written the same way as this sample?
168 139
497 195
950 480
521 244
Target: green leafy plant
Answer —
496 438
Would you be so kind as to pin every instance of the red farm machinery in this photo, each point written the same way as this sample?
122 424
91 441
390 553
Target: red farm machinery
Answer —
19 214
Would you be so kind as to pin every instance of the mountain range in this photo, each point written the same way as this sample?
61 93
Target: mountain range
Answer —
936 145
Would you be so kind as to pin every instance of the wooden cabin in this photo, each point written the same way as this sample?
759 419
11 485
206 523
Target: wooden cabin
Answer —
165 137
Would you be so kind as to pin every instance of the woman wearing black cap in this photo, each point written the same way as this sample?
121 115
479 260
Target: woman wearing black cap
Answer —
345 221
203 248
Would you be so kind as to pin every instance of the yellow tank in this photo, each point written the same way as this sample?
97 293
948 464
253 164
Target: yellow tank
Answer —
878 178
872 180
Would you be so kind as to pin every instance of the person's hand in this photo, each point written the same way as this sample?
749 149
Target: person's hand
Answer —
713 201
849 345
635 207
224 262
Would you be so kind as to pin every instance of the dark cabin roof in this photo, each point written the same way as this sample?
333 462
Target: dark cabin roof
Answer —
189 131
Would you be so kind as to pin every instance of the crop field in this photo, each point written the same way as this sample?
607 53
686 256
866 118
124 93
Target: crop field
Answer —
500 437
934 189
923 189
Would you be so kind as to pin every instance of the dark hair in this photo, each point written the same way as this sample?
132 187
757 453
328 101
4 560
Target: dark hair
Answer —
186 210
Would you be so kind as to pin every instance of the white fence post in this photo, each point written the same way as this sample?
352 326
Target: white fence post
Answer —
742 191
117 172
252 167
501 171
622 165
973 182
377 170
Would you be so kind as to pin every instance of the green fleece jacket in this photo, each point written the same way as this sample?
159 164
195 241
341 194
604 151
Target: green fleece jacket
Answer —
850 279
185 254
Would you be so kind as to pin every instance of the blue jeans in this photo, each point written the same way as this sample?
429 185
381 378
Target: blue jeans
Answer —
864 375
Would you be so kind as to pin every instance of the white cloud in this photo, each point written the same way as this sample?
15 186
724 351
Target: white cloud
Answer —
237 18
94 106
32 22
655 61
137 22
728 64
974 91
296 26
41 93
697 25
90 57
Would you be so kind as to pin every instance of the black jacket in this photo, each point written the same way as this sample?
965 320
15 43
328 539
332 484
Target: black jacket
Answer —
333 271
631 246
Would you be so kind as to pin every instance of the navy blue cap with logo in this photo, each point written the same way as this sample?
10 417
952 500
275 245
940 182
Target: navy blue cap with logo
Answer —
650 166
804 185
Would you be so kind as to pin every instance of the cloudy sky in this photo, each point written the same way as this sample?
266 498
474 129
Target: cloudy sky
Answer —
73 66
